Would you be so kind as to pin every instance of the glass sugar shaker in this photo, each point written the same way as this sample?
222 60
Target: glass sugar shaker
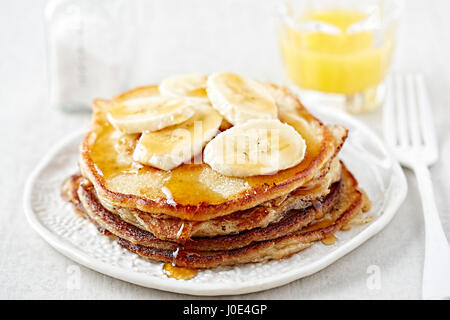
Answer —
90 49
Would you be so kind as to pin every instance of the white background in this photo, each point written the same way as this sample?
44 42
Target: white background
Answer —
202 36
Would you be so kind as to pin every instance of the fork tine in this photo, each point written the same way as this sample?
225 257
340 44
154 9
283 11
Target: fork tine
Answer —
414 127
426 120
388 114
402 129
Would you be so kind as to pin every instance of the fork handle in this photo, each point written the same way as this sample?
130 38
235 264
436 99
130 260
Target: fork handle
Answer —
436 271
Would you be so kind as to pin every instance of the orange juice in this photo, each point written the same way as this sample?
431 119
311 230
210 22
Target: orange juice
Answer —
344 61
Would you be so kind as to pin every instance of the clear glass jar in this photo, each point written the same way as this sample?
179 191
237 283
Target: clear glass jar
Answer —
339 52
90 49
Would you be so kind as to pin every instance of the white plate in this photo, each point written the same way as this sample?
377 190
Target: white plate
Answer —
364 154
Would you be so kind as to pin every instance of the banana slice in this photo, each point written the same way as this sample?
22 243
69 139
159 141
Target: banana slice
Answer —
240 99
185 85
256 147
168 148
149 113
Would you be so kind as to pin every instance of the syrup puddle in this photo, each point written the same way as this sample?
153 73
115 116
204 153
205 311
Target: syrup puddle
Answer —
180 273
329 240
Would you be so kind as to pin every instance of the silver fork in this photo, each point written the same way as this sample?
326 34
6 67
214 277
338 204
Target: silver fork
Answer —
409 131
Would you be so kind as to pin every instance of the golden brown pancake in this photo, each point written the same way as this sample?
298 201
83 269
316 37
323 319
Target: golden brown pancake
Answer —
118 182
89 206
207 219
257 217
168 228
321 220
292 234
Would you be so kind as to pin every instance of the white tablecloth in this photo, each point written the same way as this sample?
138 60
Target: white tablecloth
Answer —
203 36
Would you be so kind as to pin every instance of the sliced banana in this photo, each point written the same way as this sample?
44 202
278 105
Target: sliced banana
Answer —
168 148
240 99
256 147
185 85
149 113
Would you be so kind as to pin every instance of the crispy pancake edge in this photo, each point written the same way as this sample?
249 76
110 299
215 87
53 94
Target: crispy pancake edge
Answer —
277 248
292 222
283 230
170 228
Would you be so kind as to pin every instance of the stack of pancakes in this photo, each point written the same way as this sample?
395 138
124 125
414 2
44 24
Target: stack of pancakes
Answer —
194 217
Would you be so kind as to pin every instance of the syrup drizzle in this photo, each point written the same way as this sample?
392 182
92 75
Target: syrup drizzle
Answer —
324 223
112 156
185 231
171 270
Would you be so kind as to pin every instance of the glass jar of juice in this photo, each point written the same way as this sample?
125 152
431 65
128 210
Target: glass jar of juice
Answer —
339 52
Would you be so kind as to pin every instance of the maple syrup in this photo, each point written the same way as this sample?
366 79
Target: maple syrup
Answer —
171 270
329 240
185 231
180 273
187 186
324 223
190 184
200 92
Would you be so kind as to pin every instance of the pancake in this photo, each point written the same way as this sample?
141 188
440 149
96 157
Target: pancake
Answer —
295 232
119 183
91 207
192 216
167 228
297 219
291 222
259 216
